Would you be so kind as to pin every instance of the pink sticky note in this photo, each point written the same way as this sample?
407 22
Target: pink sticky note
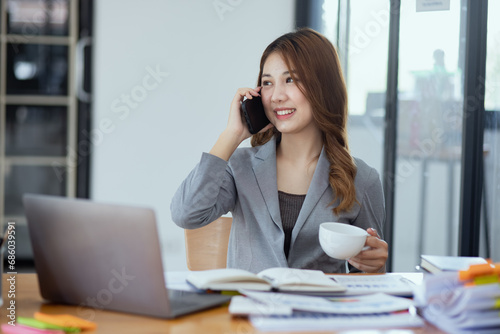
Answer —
21 329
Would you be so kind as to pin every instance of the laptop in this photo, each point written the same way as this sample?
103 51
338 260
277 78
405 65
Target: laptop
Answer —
104 256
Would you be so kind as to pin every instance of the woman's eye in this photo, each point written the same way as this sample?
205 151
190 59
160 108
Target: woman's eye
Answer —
290 80
266 83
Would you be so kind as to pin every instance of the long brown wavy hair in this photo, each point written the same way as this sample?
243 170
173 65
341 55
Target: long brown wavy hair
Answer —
312 58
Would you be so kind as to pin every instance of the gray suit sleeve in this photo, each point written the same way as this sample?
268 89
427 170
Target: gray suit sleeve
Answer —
207 193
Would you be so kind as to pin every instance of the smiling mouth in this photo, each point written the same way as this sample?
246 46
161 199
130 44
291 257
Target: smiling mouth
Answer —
285 112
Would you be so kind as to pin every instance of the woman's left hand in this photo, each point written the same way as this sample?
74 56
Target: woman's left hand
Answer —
372 260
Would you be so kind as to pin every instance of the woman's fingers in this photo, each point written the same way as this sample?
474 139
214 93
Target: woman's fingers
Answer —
251 93
368 267
240 95
247 92
373 232
236 123
374 258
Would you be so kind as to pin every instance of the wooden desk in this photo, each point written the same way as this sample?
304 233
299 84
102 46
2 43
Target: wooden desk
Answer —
217 320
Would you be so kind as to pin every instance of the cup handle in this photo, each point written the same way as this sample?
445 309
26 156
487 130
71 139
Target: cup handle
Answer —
363 249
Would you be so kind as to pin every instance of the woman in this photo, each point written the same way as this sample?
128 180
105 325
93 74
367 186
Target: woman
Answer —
298 172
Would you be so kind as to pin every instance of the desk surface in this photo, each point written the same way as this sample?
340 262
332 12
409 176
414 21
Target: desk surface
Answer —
217 320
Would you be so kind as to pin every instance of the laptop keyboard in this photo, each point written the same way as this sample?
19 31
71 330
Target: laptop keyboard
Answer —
181 301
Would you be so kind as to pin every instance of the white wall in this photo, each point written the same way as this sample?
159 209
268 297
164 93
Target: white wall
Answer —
202 51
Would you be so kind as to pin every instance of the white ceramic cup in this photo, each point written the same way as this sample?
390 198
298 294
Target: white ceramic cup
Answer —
341 241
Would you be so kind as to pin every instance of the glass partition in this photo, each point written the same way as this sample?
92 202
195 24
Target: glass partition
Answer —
490 237
366 76
429 141
360 31
430 103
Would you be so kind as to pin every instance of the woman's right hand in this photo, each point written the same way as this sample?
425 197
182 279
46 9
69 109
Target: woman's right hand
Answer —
236 130
236 124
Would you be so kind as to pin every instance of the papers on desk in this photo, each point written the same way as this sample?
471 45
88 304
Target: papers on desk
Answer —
374 303
391 284
269 311
176 280
280 311
307 321
459 304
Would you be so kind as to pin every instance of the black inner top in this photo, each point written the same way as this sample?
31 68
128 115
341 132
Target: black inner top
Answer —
290 205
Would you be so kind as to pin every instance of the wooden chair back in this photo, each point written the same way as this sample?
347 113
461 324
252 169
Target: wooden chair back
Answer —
206 247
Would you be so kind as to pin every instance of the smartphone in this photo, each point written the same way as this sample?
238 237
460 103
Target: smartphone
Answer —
254 114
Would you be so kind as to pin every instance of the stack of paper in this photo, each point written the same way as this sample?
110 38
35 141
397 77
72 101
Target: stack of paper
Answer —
463 302
281 311
307 321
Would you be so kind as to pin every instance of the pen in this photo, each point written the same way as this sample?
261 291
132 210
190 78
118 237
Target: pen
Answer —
407 281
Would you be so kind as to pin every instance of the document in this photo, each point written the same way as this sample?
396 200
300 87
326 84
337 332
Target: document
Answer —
307 321
273 311
367 304
176 280
245 306
392 284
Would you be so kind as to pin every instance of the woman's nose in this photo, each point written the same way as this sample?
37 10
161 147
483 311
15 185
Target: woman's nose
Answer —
278 94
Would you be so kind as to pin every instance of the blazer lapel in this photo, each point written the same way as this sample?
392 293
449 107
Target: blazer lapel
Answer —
264 168
318 186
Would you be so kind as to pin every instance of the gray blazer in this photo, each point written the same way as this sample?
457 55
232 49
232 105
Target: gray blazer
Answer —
246 186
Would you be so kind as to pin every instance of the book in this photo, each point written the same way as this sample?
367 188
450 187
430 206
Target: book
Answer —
278 279
438 263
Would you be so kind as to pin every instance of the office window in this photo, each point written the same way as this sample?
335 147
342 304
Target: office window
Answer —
329 21
492 89
36 130
41 115
429 142
490 237
430 54
37 69
360 32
